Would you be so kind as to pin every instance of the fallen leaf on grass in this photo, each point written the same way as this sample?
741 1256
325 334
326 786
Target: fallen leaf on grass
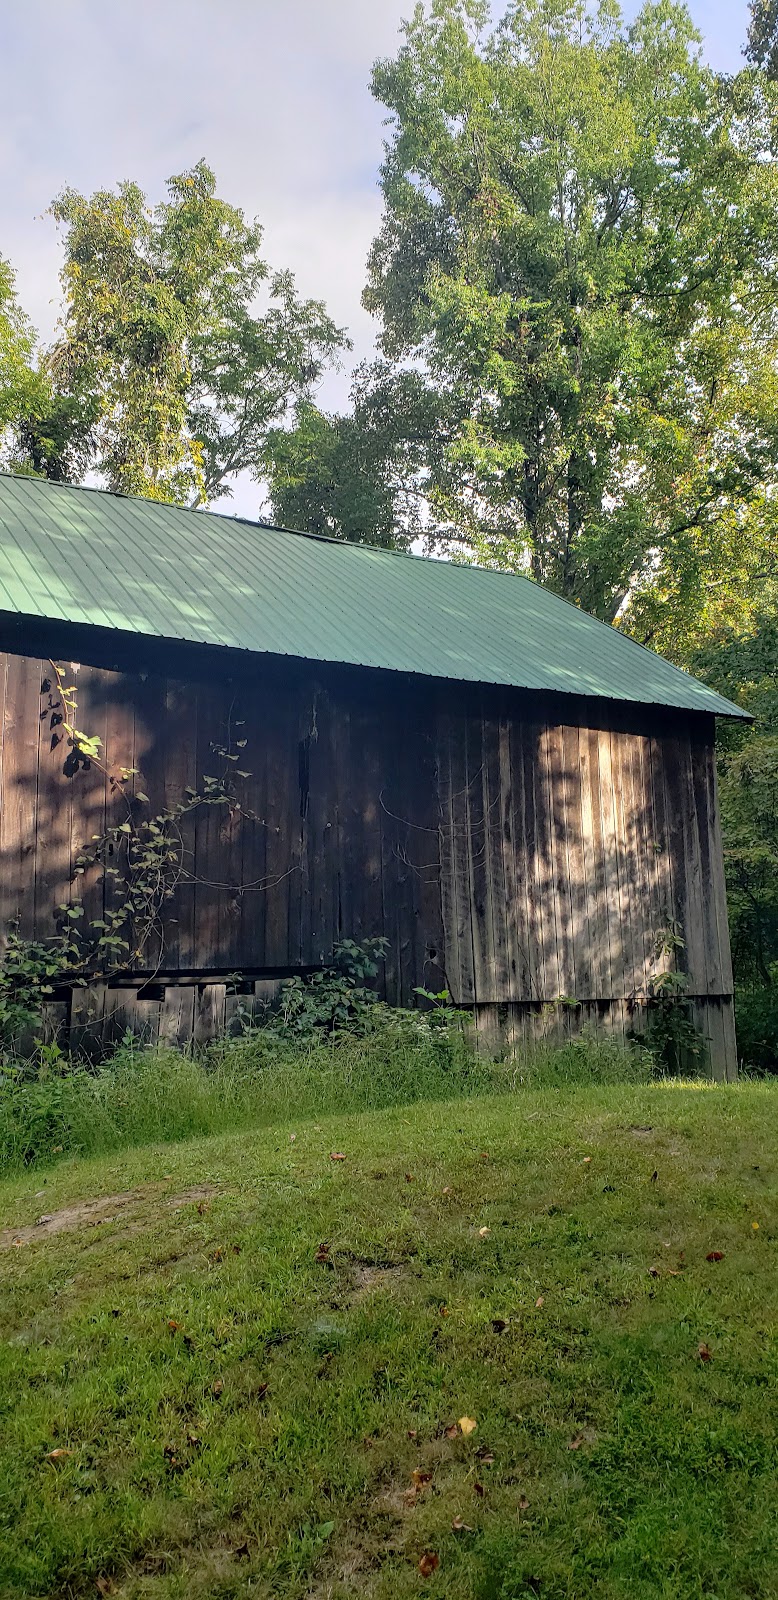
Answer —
217 1254
421 1479
409 1178
485 1455
468 1425
524 1503
452 1431
443 1311
715 1255
484 1232
460 1526
704 1353
429 1563
653 1272
323 1253
480 1490
484 1155
217 1387
755 1226
203 1206
586 1160
173 1325
105 1586
575 1444
337 1155
540 1301
413 1433
59 1454
448 1189
498 1324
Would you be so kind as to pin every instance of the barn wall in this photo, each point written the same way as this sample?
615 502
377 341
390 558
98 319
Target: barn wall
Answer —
516 850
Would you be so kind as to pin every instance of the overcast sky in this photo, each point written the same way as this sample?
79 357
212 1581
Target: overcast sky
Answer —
274 94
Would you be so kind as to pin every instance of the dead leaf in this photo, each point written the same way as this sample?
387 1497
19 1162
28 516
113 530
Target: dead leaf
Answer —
484 1232
452 1431
448 1189
485 1455
58 1454
479 1490
460 1526
105 1586
443 1311
704 1353
413 1433
524 1503
420 1478
193 1439
499 1324
292 1138
541 1300
323 1253
429 1563
653 1272
217 1387
586 1160
575 1444
173 1325
468 1425
217 1254
337 1155
203 1206
484 1155
715 1255
409 1178
755 1226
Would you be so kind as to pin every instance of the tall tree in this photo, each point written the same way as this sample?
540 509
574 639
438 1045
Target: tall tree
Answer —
577 260
22 392
170 375
762 42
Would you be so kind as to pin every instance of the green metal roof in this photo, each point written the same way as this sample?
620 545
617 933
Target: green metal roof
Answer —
110 561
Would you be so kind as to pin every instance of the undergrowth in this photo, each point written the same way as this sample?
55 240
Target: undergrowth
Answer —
59 1107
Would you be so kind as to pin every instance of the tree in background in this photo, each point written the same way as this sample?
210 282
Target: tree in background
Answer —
762 43
577 264
165 379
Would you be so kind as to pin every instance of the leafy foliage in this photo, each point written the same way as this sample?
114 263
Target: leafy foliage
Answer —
165 379
574 278
762 44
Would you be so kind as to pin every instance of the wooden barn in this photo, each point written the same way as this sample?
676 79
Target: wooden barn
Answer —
342 742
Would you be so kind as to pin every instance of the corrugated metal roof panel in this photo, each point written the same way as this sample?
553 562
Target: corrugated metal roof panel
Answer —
84 556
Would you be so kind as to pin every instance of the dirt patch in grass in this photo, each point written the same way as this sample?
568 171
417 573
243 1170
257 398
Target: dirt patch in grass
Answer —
91 1213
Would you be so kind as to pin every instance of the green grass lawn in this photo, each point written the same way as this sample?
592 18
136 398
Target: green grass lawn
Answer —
256 1365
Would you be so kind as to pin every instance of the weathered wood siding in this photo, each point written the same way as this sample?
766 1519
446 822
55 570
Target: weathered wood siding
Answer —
566 849
517 850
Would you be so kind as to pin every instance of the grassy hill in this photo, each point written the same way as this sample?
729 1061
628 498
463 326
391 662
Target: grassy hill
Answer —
505 1347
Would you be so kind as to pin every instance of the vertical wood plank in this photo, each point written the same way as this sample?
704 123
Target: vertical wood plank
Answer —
18 823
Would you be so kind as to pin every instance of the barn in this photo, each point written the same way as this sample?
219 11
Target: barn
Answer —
338 741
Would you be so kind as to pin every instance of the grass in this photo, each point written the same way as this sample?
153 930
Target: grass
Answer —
248 1413
143 1095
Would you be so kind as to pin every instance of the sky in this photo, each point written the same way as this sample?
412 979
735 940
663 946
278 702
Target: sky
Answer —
273 93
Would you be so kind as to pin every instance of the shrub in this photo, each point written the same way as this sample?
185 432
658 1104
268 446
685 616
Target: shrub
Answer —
756 1020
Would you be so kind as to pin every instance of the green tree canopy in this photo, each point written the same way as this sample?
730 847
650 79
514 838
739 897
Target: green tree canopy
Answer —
762 43
166 378
575 284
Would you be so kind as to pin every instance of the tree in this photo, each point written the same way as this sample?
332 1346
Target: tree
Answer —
168 375
577 260
22 392
762 42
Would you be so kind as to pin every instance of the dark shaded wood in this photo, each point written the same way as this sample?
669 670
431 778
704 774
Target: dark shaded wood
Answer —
512 853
